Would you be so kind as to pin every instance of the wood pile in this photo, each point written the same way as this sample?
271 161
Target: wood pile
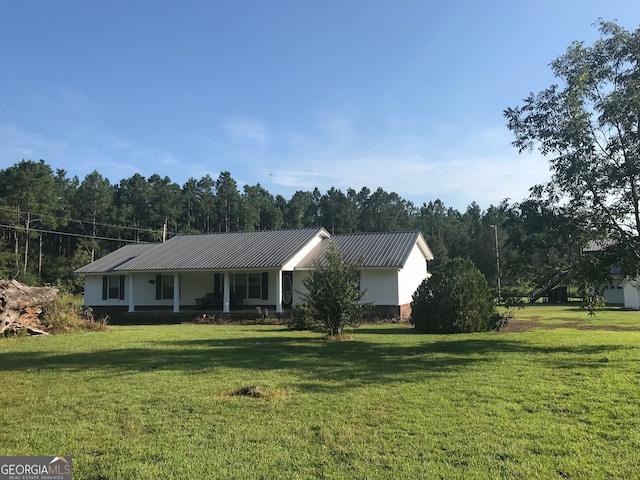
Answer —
21 306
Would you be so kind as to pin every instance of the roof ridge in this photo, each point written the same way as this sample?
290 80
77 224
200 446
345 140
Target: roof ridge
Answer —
375 233
271 230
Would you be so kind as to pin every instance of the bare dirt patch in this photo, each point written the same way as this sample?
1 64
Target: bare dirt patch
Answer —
531 323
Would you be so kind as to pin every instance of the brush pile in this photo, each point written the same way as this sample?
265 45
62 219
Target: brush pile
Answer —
21 307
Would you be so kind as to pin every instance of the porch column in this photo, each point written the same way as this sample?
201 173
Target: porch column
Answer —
176 293
279 292
226 300
132 304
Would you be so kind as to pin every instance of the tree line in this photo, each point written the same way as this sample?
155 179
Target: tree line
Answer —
52 224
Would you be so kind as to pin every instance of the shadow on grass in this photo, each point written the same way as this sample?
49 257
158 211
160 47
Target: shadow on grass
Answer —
317 365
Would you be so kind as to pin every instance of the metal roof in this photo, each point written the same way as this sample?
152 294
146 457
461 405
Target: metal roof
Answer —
113 260
370 250
217 251
260 249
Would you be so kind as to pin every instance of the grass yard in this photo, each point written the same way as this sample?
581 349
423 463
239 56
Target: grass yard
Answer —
555 397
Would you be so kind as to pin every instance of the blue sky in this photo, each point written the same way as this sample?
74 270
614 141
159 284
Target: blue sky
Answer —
403 95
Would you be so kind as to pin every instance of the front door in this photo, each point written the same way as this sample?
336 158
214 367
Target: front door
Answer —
287 288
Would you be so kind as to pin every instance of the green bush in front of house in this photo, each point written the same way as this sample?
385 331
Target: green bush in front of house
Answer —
302 317
456 299
333 292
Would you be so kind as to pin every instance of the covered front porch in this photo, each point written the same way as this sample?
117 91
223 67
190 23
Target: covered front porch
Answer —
210 292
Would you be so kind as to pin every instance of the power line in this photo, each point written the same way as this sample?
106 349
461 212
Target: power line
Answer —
123 227
69 234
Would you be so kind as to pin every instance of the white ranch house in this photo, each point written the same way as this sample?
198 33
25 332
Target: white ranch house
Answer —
239 271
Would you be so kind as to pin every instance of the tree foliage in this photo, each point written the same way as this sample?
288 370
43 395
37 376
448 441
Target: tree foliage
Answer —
588 127
333 292
456 299
48 231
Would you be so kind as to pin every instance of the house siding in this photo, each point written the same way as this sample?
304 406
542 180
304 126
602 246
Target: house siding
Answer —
631 296
411 276
299 291
614 296
381 286
145 291
195 285
93 292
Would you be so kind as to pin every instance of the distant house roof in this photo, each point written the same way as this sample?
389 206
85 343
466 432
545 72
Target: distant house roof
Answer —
634 282
598 245
371 250
232 250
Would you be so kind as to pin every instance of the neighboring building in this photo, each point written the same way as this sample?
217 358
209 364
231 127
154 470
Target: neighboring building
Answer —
614 293
631 290
244 270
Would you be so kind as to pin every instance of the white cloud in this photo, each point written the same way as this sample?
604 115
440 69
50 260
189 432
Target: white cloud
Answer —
336 126
112 156
241 128
485 168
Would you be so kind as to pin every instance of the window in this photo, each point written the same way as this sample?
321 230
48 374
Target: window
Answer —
164 287
167 286
254 285
113 287
251 285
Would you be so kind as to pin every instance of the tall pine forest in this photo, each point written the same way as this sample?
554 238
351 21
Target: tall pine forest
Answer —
52 224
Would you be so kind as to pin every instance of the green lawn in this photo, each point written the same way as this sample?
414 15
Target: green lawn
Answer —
149 402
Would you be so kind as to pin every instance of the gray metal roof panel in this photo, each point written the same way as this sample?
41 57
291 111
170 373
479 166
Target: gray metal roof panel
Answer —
232 250
116 259
371 250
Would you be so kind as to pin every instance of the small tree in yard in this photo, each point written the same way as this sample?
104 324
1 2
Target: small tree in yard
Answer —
455 299
333 292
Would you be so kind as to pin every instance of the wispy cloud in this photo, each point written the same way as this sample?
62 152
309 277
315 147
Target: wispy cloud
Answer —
79 154
242 129
17 144
486 180
485 168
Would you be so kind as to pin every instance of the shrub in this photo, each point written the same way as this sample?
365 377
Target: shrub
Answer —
302 317
456 299
67 313
334 293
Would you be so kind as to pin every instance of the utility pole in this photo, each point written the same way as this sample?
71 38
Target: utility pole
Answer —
495 228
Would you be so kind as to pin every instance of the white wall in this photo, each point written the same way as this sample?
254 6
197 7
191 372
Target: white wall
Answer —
381 286
412 275
631 296
145 292
298 288
614 296
93 292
